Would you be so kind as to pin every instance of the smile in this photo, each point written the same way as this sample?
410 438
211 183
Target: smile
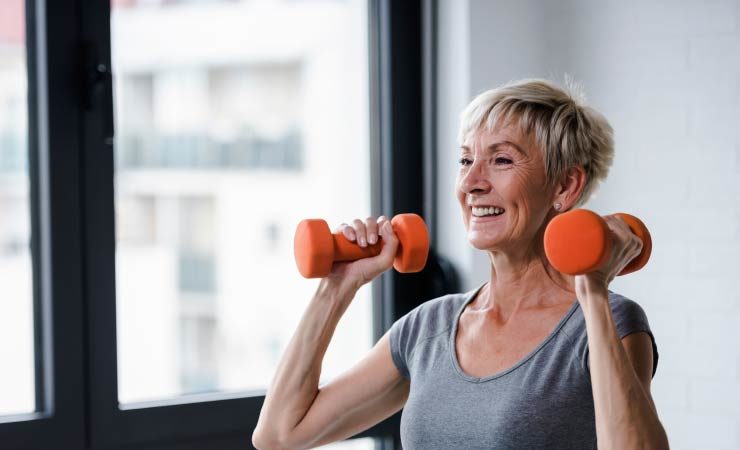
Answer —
487 211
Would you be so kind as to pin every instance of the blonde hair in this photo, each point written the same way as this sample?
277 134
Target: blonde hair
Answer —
567 131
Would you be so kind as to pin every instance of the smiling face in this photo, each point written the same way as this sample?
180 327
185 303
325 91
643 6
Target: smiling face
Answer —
502 168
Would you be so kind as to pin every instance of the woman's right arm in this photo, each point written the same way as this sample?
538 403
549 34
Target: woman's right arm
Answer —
297 413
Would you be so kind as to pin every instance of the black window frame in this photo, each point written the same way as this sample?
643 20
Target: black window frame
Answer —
71 167
58 311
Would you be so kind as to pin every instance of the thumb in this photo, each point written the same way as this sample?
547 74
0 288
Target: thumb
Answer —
390 244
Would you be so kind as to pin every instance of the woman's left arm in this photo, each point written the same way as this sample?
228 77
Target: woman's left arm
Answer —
621 370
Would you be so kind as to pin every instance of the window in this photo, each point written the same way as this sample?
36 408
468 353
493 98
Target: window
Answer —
151 254
214 140
17 382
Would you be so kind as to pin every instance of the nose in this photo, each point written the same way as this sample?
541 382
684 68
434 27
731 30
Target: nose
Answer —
475 180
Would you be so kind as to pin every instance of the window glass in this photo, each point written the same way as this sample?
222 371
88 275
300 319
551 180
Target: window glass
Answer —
16 307
234 121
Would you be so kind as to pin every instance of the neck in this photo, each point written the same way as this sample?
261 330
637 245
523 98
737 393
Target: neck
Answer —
520 282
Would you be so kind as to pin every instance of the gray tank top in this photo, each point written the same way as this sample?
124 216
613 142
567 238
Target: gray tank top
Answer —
543 401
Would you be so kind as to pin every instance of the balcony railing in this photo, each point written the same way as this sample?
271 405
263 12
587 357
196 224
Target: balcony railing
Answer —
200 151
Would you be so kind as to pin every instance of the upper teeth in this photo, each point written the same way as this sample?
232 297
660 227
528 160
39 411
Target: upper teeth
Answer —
487 211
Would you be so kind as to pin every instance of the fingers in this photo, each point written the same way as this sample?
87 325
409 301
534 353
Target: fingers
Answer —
618 225
360 231
371 225
364 233
347 231
381 221
632 243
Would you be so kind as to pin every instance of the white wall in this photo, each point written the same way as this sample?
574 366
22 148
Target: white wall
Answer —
667 76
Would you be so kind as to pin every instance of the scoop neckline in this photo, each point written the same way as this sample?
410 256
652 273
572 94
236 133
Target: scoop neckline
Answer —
453 347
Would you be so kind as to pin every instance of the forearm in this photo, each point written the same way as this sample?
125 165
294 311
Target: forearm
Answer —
625 416
295 383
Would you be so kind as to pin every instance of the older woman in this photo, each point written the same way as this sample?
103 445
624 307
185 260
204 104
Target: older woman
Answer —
517 363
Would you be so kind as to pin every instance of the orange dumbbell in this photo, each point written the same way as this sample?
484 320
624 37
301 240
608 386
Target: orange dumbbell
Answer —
316 248
579 242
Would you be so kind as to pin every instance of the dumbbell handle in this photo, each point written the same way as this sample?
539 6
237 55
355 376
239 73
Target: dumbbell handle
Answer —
346 250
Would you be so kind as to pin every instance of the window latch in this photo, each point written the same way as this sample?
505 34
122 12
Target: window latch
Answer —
99 93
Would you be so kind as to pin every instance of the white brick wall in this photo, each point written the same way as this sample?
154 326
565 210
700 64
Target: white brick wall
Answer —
667 76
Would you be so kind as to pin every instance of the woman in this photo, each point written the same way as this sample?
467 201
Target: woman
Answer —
518 363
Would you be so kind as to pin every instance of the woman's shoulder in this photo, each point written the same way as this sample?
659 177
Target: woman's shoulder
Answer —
629 316
440 308
434 316
620 300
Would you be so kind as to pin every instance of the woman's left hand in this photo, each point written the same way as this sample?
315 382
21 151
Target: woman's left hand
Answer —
625 247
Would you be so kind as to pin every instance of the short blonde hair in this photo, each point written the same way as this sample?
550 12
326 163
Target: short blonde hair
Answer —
567 131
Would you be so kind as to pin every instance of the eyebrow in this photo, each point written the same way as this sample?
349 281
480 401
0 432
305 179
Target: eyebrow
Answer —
495 146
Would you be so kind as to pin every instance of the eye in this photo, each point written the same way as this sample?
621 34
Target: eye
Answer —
506 160
465 161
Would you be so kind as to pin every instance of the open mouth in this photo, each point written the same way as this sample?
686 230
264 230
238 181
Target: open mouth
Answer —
487 211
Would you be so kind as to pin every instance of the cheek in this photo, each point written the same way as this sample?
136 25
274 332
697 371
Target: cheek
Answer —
526 184
459 193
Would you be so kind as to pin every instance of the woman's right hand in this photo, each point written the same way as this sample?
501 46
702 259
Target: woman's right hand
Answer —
357 273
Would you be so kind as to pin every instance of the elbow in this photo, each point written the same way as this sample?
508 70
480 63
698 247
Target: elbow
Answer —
664 445
265 441
258 441
661 439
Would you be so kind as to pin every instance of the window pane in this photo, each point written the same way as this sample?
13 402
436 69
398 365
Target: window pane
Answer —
16 306
235 120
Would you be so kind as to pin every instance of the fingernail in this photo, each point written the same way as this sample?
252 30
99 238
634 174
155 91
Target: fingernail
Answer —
362 241
372 239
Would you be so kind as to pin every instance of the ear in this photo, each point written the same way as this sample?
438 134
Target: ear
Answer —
569 188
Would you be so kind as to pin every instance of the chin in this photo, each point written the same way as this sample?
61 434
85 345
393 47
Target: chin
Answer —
483 243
